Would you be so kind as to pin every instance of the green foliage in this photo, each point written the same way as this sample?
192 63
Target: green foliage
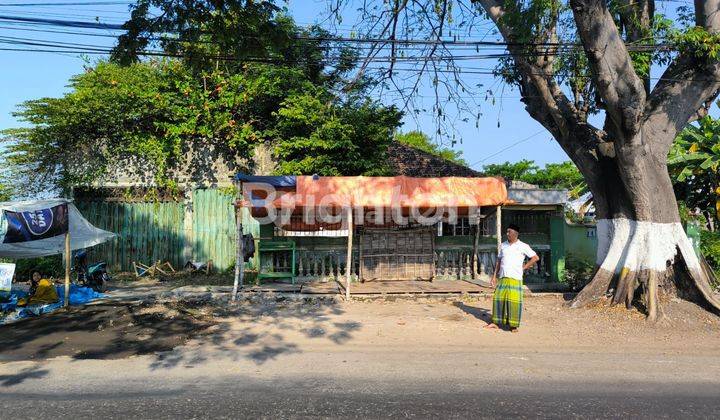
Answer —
710 249
110 112
536 23
578 271
512 171
698 42
314 137
246 75
693 163
687 215
422 141
211 35
553 175
158 111
5 177
560 175
225 29
47 266
5 192
530 19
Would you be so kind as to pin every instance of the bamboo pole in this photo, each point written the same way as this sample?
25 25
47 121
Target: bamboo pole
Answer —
476 243
348 266
66 301
239 244
498 227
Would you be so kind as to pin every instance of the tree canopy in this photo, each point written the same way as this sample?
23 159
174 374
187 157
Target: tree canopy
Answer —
156 113
554 175
5 192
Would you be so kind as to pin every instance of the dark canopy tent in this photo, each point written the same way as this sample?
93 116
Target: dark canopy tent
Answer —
31 229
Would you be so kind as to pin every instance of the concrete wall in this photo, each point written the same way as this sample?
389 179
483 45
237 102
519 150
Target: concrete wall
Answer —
581 241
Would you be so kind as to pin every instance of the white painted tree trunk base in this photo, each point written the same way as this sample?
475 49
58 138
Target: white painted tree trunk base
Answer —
627 248
635 246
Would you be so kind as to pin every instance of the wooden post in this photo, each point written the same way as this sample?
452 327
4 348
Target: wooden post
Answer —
239 248
348 266
66 301
476 243
498 227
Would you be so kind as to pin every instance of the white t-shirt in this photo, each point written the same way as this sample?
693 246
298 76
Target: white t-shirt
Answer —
512 257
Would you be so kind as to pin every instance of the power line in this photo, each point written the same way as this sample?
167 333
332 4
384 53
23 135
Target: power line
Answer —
327 60
58 44
95 17
42 10
90 49
59 22
508 147
15 28
73 3
95 25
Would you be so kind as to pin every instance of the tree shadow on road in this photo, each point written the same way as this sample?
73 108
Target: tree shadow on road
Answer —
262 330
33 372
102 331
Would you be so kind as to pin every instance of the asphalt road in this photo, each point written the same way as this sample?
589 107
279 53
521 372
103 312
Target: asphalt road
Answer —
389 360
317 397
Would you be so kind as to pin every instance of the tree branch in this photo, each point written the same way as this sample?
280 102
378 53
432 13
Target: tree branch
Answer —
544 99
707 14
620 88
686 88
636 19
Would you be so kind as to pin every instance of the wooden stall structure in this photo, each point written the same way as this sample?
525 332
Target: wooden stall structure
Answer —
397 254
390 222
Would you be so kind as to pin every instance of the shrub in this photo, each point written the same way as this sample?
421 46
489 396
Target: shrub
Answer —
710 249
578 271
48 266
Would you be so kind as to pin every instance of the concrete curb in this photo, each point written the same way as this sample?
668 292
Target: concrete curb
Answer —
222 293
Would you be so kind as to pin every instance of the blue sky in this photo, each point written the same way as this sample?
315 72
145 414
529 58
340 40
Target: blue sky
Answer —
30 75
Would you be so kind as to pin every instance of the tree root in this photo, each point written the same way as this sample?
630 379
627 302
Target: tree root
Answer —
594 290
651 296
701 279
630 255
625 289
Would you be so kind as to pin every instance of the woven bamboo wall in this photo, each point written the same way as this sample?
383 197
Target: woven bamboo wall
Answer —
388 254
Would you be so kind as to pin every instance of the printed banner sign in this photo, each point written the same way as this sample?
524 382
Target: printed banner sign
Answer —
25 226
6 275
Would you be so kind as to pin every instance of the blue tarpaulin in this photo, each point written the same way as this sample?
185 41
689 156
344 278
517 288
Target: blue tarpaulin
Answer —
11 312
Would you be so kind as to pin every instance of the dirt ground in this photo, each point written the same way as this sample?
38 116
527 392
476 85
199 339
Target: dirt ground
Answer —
104 331
268 329
265 327
176 279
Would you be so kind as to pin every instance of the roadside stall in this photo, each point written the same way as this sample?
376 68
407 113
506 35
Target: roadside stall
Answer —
390 222
32 229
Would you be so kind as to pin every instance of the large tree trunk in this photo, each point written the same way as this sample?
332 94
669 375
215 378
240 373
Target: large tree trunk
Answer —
643 252
641 243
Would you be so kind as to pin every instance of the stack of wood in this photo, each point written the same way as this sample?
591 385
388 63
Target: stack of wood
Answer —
150 270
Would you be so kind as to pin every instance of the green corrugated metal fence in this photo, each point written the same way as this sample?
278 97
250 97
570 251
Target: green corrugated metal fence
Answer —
150 232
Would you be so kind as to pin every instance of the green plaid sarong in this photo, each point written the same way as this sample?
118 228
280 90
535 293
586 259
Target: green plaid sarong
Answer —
507 302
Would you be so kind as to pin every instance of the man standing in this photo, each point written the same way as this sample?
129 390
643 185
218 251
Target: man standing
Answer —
508 296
